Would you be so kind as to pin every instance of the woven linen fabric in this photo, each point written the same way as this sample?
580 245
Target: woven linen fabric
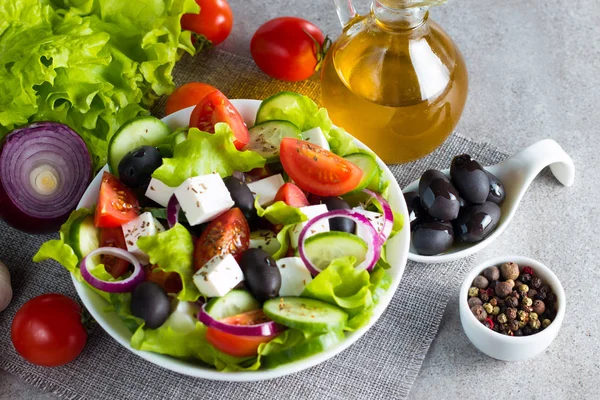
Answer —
383 364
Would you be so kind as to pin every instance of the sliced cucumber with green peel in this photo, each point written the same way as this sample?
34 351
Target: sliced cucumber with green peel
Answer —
233 303
325 247
284 105
308 315
84 236
141 131
368 164
302 350
265 138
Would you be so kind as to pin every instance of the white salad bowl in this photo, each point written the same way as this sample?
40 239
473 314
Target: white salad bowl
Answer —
397 253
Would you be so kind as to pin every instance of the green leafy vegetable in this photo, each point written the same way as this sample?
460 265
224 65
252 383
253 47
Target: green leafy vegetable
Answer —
204 153
90 64
280 214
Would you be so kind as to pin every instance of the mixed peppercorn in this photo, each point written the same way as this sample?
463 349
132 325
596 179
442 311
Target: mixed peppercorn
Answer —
512 300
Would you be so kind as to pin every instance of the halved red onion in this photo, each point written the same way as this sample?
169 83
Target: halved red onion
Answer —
173 208
44 170
126 285
388 215
373 239
269 328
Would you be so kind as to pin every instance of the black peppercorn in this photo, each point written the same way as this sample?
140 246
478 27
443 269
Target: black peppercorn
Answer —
513 325
483 296
525 278
511 313
532 293
527 330
536 282
511 302
518 332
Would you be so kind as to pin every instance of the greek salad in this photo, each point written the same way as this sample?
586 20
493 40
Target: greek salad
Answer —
243 248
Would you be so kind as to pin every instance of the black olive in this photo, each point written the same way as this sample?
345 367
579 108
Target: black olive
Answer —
137 166
261 274
470 179
339 224
432 237
497 192
150 302
438 197
416 213
477 221
242 197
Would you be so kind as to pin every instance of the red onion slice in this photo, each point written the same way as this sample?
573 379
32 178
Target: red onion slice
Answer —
388 215
269 328
126 285
373 239
44 170
173 208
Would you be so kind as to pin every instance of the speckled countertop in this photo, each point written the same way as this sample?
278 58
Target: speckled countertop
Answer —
534 73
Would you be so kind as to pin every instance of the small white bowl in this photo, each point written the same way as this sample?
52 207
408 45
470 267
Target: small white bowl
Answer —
500 346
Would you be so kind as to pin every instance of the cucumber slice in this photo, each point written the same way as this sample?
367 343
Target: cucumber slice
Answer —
84 236
308 315
233 303
141 131
283 105
265 240
265 138
302 350
322 248
368 165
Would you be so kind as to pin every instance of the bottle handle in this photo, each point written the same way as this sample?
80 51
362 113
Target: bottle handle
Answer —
345 11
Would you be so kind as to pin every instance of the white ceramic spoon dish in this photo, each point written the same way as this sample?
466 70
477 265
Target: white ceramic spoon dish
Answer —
516 173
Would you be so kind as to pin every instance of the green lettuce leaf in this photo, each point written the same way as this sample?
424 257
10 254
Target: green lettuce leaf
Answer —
280 214
173 251
204 153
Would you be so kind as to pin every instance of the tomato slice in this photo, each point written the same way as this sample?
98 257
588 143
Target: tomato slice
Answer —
291 195
237 345
113 237
117 204
317 170
214 108
187 95
228 233
170 281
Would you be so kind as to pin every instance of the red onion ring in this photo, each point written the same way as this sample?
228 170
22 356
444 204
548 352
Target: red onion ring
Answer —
126 285
265 329
388 215
173 208
373 239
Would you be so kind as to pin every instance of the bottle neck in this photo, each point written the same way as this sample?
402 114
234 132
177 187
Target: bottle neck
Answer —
396 15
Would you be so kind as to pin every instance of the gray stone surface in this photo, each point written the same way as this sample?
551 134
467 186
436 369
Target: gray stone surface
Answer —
533 74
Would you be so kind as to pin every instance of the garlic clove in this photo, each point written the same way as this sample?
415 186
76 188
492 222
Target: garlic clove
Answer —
6 292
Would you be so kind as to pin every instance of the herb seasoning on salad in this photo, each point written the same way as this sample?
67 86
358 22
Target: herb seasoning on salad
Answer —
215 252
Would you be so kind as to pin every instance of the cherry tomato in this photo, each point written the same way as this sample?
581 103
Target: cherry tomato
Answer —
288 48
113 237
317 170
214 108
228 233
187 95
117 204
237 345
47 330
169 281
214 21
291 195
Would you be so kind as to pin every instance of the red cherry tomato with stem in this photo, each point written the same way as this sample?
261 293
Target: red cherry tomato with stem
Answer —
214 21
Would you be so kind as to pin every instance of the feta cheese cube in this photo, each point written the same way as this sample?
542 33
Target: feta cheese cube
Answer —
317 137
218 276
143 225
310 212
266 189
376 219
202 198
159 192
294 276
265 240
184 315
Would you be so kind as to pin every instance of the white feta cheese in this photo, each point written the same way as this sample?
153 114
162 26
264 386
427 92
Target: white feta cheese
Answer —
316 136
310 212
159 192
184 315
144 225
202 198
294 276
265 240
218 276
266 189
376 219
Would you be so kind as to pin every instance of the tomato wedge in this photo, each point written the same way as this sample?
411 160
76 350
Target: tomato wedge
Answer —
187 95
113 237
228 233
317 170
291 195
214 108
237 345
117 204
